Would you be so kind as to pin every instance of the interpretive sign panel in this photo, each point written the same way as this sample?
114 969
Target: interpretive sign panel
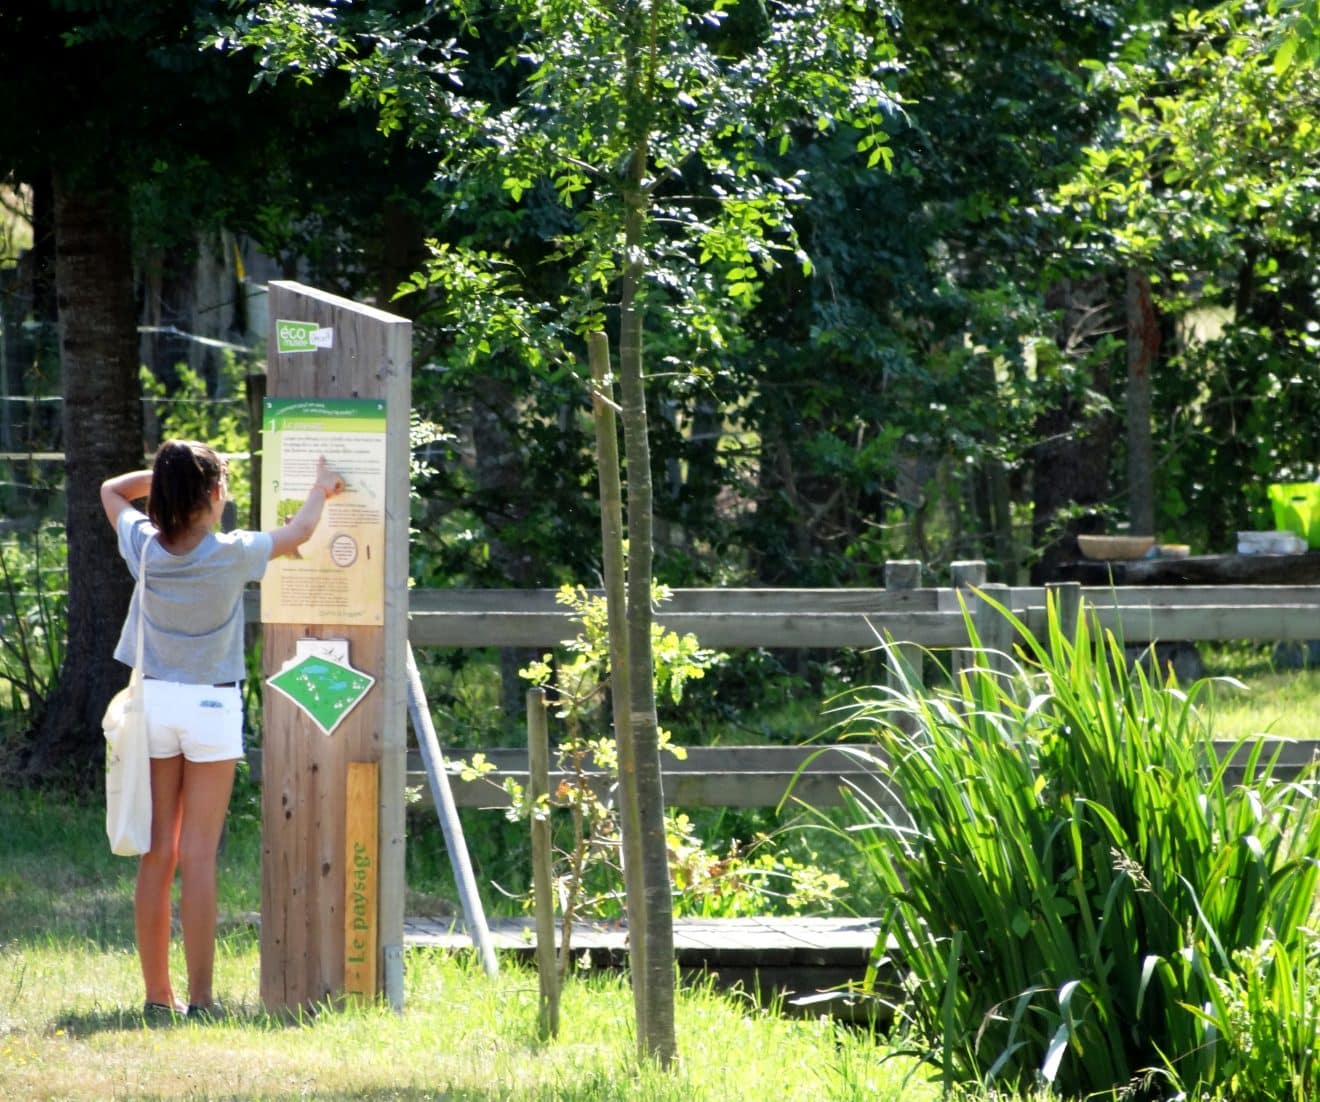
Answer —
338 577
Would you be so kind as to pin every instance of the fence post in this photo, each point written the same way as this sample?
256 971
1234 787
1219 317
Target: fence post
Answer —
965 574
1067 598
347 595
903 660
538 789
994 628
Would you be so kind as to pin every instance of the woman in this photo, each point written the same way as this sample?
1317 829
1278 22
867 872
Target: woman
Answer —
192 665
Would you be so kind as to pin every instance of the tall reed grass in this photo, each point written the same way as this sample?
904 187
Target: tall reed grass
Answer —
1077 884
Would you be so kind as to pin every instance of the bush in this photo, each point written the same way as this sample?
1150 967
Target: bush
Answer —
32 625
1267 1010
1077 884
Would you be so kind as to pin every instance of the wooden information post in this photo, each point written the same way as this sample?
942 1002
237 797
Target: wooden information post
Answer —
335 646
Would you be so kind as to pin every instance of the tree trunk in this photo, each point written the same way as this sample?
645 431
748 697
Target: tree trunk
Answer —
168 299
499 475
1071 464
655 1031
402 252
1070 468
1143 343
1001 512
992 494
102 437
44 309
29 355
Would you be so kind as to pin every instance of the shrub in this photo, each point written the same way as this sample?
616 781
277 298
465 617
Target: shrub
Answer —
32 625
745 879
1267 1012
1078 881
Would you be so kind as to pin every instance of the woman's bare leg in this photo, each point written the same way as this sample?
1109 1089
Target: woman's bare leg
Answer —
206 789
155 880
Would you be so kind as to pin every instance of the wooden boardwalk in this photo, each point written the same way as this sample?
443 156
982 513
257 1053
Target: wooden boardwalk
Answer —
798 959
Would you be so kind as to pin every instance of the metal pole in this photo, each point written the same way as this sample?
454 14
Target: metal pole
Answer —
448 812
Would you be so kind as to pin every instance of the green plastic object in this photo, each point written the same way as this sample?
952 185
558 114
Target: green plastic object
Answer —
1297 509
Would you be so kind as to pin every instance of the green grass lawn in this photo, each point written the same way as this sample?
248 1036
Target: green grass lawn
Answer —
70 995
1282 703
70 992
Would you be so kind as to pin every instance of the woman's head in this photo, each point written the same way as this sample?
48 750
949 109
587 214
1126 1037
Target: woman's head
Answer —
184 478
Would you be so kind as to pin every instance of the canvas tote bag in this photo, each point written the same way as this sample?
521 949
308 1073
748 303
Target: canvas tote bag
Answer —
127 763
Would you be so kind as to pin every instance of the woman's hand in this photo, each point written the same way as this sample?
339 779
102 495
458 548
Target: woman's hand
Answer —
327 481
287 539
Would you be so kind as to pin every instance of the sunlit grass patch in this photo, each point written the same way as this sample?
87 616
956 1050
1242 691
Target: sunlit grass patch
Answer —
71 1029
1280 703
71 1026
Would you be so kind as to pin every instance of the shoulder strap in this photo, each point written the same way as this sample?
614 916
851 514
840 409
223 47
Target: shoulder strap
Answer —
142 600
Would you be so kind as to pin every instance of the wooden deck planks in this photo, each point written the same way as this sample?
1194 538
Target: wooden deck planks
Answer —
848 938
773 959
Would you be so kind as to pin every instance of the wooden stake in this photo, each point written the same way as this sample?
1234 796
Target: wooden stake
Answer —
538 787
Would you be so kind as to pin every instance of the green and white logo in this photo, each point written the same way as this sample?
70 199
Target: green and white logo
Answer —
302 336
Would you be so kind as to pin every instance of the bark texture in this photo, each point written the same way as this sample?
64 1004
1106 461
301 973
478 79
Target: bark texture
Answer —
102 431
1143 345
655 1028
616 598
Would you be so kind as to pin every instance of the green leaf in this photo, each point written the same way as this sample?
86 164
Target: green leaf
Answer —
1049 1070
1283 56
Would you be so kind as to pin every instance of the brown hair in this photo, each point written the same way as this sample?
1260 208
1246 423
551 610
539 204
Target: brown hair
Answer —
182 477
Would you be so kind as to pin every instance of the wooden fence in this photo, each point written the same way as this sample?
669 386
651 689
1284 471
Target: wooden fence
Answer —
837 618
927 618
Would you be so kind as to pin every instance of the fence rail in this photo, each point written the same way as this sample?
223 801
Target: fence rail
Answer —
817 775
932 618
815 618
795 618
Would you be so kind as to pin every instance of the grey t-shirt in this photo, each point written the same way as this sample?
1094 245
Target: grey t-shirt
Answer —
193 629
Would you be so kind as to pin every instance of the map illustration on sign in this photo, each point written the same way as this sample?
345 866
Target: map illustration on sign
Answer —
337 576
324 688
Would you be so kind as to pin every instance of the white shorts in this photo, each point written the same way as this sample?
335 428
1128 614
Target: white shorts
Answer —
201 722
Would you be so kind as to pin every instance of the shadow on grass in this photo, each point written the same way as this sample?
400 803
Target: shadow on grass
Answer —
131 1018
94 914
111 1020
400 1094
121 1019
